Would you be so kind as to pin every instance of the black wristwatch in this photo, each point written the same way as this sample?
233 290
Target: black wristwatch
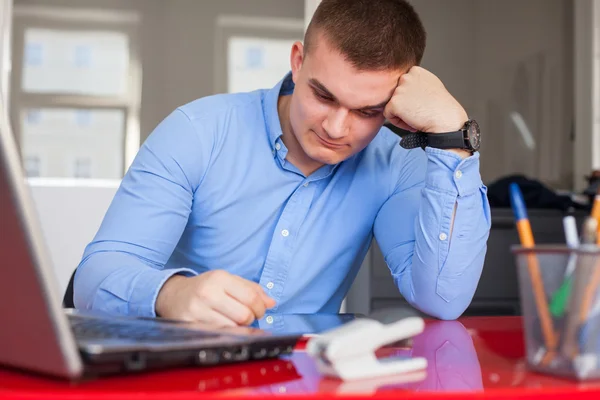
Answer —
467 138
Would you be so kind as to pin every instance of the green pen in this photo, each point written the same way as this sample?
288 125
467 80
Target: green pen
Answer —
560 298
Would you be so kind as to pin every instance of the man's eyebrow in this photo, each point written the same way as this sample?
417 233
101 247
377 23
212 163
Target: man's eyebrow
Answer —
318 85
380 105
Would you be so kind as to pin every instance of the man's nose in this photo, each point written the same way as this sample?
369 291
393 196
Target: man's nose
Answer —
336 123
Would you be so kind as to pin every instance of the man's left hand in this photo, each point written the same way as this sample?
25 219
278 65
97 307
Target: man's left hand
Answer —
421 102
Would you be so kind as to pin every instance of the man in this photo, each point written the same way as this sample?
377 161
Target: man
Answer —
245 203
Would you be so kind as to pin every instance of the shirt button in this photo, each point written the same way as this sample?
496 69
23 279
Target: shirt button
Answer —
285 233
277 146
269 319
458 174
270 285
443 236
306 184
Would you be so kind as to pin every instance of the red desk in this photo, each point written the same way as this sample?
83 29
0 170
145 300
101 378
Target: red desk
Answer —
474 358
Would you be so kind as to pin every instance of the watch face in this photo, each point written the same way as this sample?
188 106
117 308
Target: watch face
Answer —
474 135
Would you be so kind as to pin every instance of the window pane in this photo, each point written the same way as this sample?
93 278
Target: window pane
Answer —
33 166
75 62
256 63
73 143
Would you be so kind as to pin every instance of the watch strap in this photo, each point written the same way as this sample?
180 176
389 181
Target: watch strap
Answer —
413 140
449 140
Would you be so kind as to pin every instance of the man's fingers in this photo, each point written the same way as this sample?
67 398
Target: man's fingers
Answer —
397 121
252 295
201 312
268 301
233 309
218 319
402 125
247 295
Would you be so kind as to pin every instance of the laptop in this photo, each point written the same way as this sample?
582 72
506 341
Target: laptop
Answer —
38 335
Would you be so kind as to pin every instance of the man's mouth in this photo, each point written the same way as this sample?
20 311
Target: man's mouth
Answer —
327 143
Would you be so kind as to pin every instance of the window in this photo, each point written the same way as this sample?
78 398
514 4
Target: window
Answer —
256 63
89 63
32 166
253 52
76 90
63 134
82 168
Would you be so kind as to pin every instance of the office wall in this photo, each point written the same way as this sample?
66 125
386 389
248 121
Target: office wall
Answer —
587 87
70 213
448 38
527 68
498 57
596 84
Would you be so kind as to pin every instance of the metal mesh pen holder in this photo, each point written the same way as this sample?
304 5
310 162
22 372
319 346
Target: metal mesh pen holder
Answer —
560 302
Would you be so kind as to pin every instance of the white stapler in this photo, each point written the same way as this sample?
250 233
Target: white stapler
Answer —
348 352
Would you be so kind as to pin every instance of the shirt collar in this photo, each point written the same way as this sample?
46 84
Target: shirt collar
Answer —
271 113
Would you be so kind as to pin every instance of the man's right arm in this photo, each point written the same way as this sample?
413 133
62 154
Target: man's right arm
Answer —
122 270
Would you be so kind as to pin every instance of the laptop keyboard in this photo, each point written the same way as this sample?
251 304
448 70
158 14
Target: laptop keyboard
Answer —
91 328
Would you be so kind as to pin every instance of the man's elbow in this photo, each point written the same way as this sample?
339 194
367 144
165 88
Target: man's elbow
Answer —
78 301
437 307
446 300
448 313
81 291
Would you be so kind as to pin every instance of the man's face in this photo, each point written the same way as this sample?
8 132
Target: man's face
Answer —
336 110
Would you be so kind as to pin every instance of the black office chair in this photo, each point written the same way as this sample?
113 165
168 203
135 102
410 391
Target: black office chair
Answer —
68 298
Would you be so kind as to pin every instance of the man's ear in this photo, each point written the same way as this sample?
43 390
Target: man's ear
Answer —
296 59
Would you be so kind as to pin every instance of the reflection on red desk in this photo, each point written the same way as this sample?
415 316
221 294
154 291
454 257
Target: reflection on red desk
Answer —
479 357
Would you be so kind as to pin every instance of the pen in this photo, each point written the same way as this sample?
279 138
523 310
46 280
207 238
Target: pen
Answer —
560 298
596 214
590 229
583 287
527 241
586 320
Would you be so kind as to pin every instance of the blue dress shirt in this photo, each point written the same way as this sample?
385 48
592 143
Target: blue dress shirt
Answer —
211 189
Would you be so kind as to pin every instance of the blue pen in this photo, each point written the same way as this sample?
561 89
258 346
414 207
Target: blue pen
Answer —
537 283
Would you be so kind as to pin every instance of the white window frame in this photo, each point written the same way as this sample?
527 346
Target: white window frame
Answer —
5 50
229 26
62 18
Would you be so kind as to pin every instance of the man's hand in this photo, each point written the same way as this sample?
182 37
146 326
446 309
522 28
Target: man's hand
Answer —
422 103
214 297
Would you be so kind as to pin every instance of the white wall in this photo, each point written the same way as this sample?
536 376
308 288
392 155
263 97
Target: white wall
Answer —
70 213
309 9
596 86
449 37
494 67
587 87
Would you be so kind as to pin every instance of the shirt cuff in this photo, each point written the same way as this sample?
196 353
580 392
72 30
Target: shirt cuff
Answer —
146 287
449 172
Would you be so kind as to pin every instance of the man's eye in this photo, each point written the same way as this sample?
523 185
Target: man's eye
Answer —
323 97
369 114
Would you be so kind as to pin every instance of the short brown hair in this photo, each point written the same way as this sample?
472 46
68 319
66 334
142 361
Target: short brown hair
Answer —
371 34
